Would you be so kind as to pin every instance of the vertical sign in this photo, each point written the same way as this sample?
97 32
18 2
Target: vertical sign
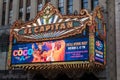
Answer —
99 50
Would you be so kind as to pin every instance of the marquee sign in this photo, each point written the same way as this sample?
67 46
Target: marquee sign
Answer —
52 38
49 24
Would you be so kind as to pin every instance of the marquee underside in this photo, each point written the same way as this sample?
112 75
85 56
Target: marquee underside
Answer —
77 66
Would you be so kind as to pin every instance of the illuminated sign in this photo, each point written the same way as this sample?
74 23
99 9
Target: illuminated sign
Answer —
51 51
99 50
51 27
59 39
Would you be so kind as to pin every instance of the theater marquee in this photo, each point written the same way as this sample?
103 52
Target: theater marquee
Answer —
51 40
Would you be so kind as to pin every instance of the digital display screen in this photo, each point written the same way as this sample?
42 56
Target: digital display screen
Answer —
75 49
99 50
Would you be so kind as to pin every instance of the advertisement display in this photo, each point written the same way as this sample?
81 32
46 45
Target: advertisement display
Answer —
75 49
99 50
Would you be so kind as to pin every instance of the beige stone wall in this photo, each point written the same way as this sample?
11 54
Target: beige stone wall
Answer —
24 10
33 10
111 47
55 3
117 20
15 10
7 12
76 6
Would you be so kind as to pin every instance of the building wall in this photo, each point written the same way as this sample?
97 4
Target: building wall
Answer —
117 21
3 56
4 30
111 41
77 5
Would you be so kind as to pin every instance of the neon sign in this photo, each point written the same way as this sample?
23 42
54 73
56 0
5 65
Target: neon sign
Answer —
52 37
51 27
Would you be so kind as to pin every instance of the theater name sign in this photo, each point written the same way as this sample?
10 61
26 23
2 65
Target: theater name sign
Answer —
55 41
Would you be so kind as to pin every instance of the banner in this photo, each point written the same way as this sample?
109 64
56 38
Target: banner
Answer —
99 50
72 49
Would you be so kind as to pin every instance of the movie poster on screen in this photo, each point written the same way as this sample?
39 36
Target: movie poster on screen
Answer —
75 49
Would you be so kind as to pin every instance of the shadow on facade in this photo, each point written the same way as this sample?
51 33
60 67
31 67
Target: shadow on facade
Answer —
4 42
88 76
39 76
63 76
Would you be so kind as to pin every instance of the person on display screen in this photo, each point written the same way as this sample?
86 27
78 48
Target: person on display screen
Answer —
57 51
37 54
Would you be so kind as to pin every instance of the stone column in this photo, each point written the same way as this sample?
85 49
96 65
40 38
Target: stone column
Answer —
33 10
55 3
1 6
7 12
76 5
43 2
24 10
89 5
65 7
15 10
80 5
102 3
2 60
117 13
111 41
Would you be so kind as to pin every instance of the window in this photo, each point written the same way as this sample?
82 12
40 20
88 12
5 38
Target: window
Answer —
85 4
4 42
69 6
28 13
94 3
21 4
10 16
3 12
39 5
28 10
4 0
28 3
47 1
61 6
10 12
20 9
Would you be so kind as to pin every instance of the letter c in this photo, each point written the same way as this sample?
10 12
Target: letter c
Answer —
25 52
15 52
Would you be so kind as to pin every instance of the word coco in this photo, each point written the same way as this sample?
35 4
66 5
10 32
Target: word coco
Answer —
23 52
